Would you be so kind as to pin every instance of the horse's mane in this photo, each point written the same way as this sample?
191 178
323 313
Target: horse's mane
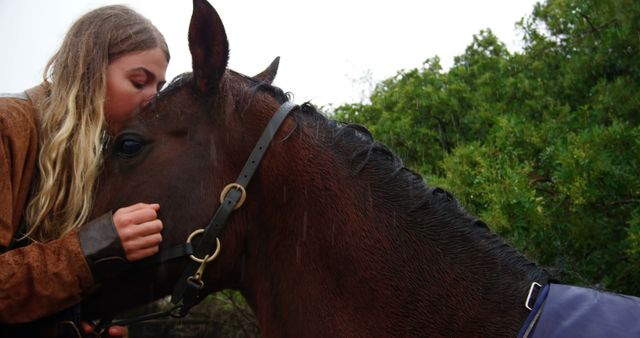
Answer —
375 163
392 183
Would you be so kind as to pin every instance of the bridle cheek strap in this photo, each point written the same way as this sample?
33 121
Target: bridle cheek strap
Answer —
186 291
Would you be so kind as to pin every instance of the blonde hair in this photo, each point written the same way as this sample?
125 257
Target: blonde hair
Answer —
73 126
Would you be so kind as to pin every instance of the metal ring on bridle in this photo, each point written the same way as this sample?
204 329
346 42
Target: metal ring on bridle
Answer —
209 258
226 190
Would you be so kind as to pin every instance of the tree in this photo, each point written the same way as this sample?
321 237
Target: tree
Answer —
543 144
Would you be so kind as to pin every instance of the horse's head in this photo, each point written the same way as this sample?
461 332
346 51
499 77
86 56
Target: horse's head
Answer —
181 151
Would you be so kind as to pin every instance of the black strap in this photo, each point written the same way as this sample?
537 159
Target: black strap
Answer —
106 323
264 141
184 291
164 255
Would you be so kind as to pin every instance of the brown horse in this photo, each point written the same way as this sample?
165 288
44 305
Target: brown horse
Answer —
336 237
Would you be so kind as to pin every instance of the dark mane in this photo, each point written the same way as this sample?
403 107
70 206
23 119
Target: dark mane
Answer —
391 183
376 163
273 91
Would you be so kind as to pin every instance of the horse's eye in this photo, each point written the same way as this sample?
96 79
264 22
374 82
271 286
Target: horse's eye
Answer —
128 146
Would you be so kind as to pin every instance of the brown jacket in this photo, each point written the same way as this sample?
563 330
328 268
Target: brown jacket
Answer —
41 278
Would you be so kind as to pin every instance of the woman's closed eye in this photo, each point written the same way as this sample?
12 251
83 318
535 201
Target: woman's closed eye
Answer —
137 84
139 78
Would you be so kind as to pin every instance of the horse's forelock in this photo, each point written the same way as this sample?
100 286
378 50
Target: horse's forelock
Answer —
175 84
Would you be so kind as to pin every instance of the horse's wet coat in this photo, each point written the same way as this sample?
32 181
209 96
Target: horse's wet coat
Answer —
336 238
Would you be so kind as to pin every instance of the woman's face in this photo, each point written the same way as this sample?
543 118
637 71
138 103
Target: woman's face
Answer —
132 81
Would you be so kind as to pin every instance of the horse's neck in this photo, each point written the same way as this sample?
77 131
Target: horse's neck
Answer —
336 263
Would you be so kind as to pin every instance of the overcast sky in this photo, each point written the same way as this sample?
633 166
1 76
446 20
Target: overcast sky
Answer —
331 51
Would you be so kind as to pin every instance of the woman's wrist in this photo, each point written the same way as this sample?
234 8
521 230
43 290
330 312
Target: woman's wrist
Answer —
102 248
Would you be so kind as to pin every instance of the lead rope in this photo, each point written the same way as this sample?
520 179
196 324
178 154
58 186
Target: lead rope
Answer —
186 293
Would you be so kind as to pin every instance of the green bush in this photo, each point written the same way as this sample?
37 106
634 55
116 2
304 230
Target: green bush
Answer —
543 144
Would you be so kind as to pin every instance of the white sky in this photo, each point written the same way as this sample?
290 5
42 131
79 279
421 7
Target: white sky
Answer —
332 51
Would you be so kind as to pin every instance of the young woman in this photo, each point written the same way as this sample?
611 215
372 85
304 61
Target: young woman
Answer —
111 63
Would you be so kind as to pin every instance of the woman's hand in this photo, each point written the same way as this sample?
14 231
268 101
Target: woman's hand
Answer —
113 331
139 229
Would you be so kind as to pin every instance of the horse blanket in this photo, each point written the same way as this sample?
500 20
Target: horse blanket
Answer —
564 311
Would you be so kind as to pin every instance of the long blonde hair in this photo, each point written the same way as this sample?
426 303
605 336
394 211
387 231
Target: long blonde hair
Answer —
72 125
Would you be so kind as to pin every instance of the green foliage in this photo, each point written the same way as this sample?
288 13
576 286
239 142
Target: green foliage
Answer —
544 145
223 314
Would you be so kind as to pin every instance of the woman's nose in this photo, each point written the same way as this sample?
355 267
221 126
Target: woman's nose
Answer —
149 95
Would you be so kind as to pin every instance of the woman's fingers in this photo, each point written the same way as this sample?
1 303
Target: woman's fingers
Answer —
113 331
118 331
139 206
145 242
125 216
139 230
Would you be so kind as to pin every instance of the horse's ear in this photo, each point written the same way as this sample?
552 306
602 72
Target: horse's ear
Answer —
208 45
269 74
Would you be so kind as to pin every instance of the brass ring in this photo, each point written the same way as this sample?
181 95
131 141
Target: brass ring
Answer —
209 258
226 190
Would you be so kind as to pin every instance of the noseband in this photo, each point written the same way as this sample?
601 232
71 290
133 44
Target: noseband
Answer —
186 293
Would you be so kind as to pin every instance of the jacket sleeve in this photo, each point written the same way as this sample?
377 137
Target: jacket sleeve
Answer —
42 278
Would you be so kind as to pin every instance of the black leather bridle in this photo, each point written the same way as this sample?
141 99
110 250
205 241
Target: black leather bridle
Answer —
186 293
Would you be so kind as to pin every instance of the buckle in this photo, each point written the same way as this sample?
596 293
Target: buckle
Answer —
243 194
531 296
